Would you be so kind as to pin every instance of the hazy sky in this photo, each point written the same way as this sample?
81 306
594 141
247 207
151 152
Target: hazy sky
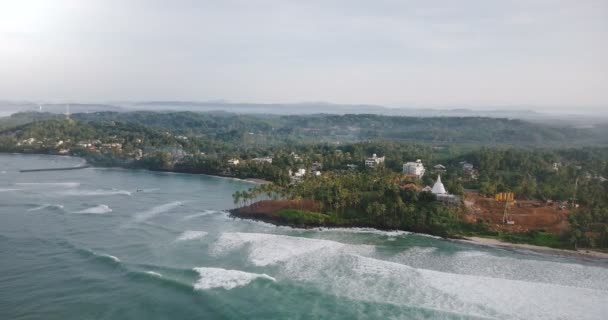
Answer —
477 53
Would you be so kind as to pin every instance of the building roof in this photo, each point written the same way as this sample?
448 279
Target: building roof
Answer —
438 187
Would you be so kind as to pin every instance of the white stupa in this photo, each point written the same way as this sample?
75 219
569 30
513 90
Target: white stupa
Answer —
438 187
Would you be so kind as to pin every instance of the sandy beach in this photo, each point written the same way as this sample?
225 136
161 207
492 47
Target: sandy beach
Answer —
546 250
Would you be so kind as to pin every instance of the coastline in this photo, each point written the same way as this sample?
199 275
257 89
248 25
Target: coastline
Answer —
273 219
490 242
87 164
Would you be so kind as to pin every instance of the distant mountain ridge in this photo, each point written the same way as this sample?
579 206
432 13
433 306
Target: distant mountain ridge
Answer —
304 108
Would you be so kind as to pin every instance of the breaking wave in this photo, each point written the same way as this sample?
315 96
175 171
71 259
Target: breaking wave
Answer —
191 235
153 273
356 272
228 279
267 249
100 209
46 206
200 214
394 233
99 192
49 184
154 211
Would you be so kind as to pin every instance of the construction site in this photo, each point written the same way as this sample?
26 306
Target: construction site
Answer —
508 214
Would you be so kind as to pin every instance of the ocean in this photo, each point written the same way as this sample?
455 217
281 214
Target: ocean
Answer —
102 243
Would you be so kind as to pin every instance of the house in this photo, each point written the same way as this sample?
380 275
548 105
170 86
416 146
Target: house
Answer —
414 169
262 159
374 161
295 156
296 177
439 168
351 166
233 162
468 169
316 166
466 166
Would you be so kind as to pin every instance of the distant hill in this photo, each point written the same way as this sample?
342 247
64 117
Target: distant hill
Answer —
276 129
259 129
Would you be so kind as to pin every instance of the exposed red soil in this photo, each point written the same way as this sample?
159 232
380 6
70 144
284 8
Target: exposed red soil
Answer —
271 208
527 214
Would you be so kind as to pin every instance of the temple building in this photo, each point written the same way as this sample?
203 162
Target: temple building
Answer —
441 193
438 187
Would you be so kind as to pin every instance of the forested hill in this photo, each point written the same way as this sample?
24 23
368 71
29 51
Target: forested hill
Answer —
258 130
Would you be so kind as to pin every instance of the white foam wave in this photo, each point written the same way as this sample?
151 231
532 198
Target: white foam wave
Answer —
111 257
482 263
394 233
191 235
227 279
100 209
49 184
200 214
94 193
267 249
521 299
152 212
45 206
153 273
8 189
358 273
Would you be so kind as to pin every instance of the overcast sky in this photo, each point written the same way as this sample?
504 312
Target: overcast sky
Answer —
548 54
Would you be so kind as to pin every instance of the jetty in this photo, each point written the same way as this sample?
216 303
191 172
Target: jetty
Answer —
56 169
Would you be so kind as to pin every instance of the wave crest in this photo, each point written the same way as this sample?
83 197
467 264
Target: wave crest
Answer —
228 279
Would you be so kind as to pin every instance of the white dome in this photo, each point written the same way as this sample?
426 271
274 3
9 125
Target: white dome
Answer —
438 187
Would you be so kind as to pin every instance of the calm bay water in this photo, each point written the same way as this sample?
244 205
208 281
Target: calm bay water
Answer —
118 244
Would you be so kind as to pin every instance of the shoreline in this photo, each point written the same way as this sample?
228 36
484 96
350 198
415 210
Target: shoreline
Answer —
495 243
268 218
87 164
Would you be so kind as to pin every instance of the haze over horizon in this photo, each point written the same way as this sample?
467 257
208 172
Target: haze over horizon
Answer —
541 55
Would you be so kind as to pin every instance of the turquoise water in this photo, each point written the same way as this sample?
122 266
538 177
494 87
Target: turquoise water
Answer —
118 244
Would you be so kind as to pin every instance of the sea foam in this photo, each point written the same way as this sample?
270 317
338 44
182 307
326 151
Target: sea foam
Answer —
227 279
153 273
100 209
94 193
49 184
358 273
154 211
200 214
46 206
266 249
191 235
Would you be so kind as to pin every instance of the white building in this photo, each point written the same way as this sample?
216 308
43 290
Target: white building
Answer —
297 176
374 161
438 187
233 162
442 195
262 159
414 168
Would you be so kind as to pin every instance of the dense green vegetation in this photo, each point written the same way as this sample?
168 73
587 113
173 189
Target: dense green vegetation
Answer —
372 198
252 131
203 143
